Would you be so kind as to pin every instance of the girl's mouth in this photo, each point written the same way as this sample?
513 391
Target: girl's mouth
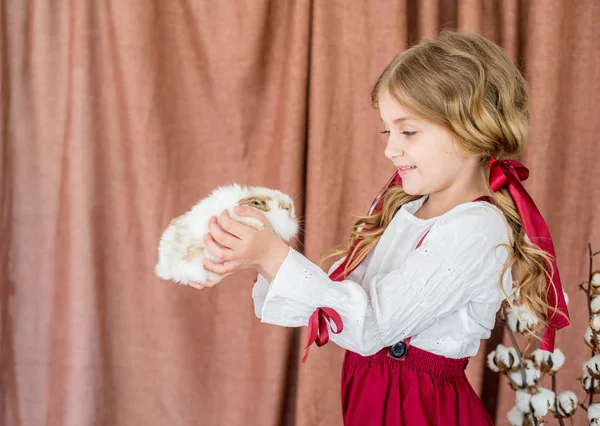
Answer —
405 170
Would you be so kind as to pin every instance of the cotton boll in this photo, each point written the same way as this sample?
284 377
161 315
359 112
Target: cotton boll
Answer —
594 414
514 356
595 322
557 360
542 401
519 319
505 358
532 375
595 283
523 401
592 366
595 304
540 358
589 338
513 321
547 361
491 362
567 403
588 383
515 295
515 416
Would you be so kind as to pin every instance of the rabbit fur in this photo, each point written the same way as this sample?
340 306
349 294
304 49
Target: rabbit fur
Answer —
182 246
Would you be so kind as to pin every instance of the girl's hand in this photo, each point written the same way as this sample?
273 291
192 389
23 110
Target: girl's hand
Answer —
241 246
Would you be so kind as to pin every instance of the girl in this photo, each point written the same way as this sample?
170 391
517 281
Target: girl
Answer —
426 271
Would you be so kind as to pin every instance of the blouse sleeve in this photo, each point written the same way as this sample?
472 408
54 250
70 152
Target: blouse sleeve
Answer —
262 285
457 262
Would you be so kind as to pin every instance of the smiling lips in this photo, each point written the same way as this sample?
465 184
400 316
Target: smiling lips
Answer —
402 170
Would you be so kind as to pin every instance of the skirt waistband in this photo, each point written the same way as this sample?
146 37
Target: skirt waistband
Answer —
418 359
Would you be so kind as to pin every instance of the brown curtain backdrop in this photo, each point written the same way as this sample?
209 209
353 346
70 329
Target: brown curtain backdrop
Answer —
118 116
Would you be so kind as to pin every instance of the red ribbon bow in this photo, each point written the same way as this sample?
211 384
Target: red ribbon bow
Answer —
509 174
318 327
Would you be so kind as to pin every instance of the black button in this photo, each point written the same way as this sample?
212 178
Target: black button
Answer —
398 350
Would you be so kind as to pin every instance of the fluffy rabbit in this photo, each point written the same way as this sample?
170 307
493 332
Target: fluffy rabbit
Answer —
182 246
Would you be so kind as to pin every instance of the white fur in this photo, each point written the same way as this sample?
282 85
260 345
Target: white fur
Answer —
190 229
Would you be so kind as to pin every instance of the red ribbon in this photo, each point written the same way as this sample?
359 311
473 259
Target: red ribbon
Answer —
509 174
318 327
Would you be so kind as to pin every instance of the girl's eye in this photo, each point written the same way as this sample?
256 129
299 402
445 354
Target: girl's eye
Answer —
256 203
404 133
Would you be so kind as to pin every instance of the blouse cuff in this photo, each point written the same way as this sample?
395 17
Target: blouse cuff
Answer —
259 292
298 288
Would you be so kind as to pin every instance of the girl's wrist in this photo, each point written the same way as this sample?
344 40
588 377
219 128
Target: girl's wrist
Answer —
273 261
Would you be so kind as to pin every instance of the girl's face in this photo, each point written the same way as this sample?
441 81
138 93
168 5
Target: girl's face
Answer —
434 164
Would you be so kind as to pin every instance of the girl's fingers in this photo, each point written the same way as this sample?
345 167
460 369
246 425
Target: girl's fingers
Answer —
235 227
223 269
223 253
197 286
221 236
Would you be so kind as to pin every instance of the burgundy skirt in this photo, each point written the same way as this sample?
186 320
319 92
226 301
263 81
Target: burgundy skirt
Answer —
422 389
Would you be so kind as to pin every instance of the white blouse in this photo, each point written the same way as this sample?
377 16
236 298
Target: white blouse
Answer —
444 294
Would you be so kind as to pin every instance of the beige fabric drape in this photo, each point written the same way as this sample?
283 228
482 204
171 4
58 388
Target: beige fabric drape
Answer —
117 116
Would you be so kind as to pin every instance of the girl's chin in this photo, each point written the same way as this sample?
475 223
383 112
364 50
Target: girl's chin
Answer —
411 190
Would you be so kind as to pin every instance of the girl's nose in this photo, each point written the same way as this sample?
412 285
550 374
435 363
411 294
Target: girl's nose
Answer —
392 152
